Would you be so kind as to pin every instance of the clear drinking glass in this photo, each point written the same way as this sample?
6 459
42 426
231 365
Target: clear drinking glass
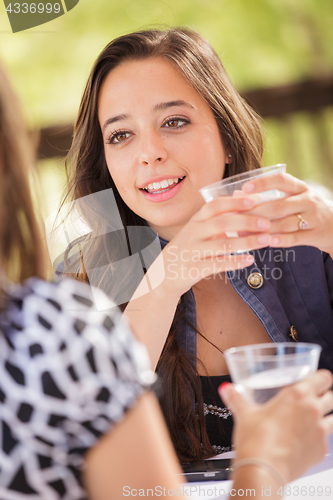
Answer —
233 186
261 370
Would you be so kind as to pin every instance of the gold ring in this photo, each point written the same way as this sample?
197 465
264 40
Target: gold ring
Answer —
302 223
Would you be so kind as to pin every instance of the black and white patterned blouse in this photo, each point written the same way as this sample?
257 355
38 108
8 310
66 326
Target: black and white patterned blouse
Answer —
68 373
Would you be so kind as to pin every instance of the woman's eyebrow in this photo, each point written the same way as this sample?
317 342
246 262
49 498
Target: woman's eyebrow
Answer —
160 106
114 119
170 104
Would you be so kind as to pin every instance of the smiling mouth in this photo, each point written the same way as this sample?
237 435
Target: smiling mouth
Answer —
163 186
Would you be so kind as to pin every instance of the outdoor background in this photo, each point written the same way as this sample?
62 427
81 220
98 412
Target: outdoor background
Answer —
262 43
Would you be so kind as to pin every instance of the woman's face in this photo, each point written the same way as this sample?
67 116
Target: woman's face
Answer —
161 142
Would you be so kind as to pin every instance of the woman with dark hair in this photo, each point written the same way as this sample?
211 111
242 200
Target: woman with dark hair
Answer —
159 119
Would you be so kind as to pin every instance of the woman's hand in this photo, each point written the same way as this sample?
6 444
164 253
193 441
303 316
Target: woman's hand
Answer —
290 430
202 248
316 211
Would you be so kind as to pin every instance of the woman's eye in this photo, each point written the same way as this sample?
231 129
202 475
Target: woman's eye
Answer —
118 136
175 122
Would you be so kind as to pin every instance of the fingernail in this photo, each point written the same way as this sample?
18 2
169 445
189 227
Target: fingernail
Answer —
223 386
248 202
264 239
275 241
248 188
263 223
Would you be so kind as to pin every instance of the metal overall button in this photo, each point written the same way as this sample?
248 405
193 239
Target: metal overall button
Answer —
293 333
255 280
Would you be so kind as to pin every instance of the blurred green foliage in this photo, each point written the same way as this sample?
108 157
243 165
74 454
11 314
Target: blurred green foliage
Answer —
261 42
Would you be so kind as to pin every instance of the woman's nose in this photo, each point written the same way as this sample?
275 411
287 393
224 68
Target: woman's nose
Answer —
152 149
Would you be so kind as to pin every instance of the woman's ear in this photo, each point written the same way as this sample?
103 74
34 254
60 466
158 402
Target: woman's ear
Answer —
228 158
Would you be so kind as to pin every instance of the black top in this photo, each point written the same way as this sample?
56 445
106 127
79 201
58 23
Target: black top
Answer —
219 421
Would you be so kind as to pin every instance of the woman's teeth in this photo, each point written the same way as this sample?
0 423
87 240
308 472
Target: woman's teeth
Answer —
165 185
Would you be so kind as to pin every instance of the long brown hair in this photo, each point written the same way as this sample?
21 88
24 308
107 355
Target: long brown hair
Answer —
21 253
240 130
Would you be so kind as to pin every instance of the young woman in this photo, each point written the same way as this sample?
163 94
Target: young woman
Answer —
158 120
76 420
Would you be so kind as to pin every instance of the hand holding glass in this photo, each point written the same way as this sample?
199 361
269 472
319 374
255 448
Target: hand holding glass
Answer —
261 370
233 186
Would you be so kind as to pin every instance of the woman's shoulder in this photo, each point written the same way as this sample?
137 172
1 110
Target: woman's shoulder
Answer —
65 318
38 302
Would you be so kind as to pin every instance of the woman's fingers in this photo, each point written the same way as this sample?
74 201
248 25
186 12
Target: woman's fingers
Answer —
283 182
234 223
314 391
303 218
326 403
223 205
224 234
282 207
292 224
232 398
320 382
327 424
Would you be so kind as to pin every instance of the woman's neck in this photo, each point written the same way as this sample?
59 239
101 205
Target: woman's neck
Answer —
166 233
